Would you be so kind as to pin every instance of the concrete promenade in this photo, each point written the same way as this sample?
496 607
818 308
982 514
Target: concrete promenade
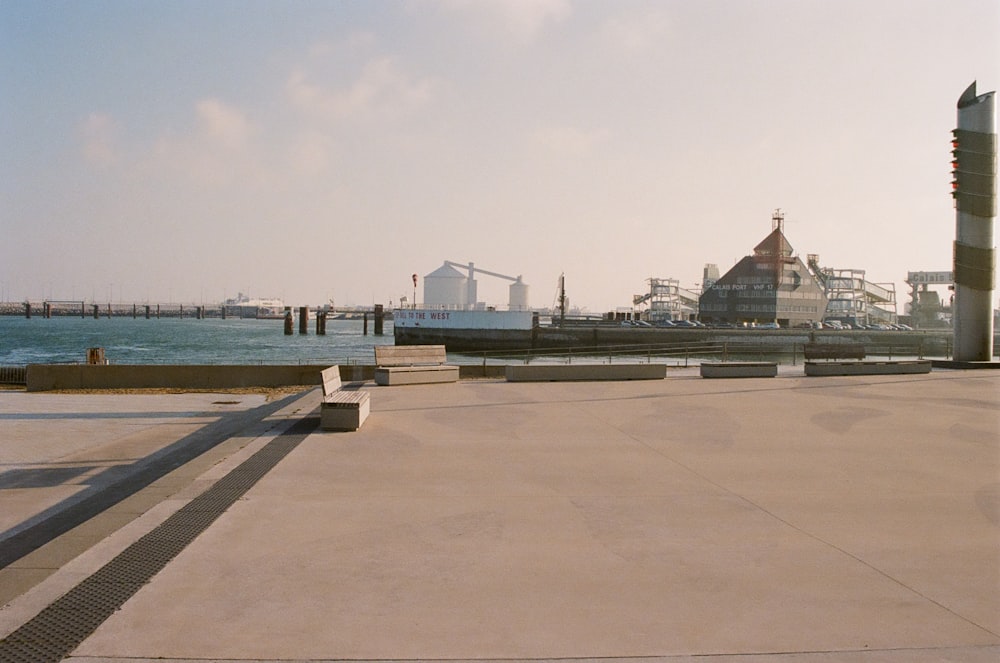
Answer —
788 519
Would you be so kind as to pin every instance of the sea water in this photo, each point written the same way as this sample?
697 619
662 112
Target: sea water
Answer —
128 340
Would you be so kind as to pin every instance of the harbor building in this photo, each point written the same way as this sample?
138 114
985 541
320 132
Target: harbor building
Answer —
770 286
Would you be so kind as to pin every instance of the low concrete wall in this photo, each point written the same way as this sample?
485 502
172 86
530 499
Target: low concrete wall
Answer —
47 377
739 369
826 368
584 372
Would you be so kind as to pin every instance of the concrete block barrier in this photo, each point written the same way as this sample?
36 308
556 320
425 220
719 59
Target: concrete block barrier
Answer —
584 372
826 368
739 369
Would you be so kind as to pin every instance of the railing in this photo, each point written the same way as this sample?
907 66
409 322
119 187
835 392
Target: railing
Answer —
683 354
16 375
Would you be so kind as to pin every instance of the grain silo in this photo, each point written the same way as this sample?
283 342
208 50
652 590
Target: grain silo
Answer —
446 287
518 299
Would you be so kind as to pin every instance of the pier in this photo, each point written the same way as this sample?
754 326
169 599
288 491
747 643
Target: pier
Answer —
97 310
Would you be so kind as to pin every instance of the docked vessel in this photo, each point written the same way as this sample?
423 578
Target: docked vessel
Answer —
262 308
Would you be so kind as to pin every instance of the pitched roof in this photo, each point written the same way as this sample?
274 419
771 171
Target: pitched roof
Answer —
445 271
774 245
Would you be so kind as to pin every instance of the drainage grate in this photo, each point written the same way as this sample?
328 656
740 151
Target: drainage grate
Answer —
60 628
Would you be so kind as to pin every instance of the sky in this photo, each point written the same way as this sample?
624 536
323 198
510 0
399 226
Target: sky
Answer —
185 151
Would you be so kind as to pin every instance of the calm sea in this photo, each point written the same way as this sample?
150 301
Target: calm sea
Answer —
128 340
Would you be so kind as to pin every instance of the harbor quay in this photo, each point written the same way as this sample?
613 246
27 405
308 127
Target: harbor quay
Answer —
790 519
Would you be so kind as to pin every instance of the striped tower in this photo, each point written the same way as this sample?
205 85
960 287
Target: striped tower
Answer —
975 192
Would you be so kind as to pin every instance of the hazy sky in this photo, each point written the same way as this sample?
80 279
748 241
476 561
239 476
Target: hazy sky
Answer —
185 151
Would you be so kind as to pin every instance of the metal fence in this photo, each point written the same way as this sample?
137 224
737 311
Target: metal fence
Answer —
15 375
684 354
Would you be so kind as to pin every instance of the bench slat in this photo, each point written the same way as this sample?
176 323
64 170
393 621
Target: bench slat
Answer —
331 380
404 355
346 398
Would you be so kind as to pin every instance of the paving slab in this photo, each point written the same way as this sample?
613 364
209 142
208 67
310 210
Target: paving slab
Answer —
790 518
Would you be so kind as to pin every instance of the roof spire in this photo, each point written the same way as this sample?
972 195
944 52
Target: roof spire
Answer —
778 221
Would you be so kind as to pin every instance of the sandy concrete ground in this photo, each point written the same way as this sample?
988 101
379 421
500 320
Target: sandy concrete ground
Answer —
802 519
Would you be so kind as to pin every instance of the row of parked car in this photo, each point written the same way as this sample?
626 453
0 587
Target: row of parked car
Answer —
829 324
836 324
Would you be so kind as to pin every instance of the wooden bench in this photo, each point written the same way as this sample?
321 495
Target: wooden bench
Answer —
412 364
833 350
738 369
341 409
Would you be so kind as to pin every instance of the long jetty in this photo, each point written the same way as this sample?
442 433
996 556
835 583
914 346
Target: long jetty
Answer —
97 310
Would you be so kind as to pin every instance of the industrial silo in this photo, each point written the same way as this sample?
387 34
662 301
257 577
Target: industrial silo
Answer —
518 299
445 287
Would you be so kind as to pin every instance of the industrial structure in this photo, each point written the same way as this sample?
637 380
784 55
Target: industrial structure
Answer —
974 167
926 308
667 300
770 286
448 288
852 299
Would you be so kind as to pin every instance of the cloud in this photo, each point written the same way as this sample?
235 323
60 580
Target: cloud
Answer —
223 124
523 19
380 88
569 142
98 134
219 151
637 33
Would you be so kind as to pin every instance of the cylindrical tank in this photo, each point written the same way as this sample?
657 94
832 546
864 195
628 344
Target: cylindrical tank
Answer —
445 287
518 298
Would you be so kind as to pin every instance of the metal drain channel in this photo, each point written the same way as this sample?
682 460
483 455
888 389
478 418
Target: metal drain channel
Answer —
57 630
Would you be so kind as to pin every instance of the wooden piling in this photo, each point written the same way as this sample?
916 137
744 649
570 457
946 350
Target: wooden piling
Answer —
27 310
379 319
321 323
303 319
289 322
365 332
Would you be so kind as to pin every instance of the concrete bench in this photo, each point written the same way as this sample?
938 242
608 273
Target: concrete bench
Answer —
583 372
739 369
833 351
340 409
823 368
412 364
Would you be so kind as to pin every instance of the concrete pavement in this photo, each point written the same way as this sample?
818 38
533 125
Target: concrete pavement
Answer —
791 518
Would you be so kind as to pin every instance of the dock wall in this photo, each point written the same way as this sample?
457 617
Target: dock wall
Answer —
51 377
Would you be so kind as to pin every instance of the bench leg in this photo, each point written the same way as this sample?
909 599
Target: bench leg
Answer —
343 418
